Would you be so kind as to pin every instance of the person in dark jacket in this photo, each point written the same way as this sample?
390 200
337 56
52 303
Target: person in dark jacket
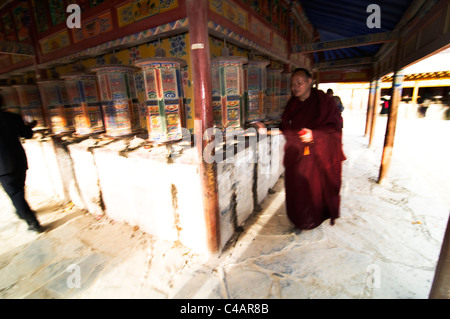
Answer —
13 163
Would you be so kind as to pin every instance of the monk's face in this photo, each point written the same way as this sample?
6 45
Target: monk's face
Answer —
301 85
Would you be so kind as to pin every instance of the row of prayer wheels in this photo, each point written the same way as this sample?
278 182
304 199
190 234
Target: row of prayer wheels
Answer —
105 99
246 91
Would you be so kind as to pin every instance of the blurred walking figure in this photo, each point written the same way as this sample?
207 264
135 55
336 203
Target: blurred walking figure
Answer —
312 125
424 103
385 104
13 163
336 100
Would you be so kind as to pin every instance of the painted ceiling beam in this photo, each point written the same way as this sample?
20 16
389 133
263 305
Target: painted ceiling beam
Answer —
344 62
362 40
16 48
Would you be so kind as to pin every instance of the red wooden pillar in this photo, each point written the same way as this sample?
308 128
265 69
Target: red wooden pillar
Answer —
197 13
375 109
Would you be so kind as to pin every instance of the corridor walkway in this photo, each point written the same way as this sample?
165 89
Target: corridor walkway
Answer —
385 245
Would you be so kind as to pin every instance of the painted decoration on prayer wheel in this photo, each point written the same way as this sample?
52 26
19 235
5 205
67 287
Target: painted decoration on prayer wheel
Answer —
83 96
31 105
228 92
255 86
164 94
285 90
119 98
60 112
273 94
11 101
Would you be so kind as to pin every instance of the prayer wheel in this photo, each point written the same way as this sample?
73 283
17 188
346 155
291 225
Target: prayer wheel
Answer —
285 91
10 99
255 86
83 96
273 94
228 92
118 98
164 94
59 110
31 105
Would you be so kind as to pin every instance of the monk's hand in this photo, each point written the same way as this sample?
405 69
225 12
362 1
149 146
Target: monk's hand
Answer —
31 124
306 135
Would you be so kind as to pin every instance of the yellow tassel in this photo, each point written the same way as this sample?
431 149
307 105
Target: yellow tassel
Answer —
306 151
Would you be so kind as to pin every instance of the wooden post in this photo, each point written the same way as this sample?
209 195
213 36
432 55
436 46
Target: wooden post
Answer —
197 13
370 106
396 94
375 110
415 95
441 282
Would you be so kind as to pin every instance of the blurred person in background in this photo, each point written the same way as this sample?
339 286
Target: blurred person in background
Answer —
336 99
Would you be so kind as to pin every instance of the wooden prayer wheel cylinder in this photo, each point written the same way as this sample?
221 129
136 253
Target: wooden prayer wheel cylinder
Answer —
119 99
228 92
285 91
164 94
31 105
84 98
255 75
10 99
60 112
273 94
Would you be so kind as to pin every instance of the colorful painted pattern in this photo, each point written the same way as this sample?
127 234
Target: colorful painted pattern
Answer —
22 16
230 10
57 11
273 52
164 93
273 94
8 27
11 99
119 99
30 103
40 16
140 36
55 42
141 9
228 92
178 46
256 81
285 90
83 96
93 28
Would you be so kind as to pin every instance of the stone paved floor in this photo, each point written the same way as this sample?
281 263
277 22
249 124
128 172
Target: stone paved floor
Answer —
385 245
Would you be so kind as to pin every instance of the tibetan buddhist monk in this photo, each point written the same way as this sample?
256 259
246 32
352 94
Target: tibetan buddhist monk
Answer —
312 126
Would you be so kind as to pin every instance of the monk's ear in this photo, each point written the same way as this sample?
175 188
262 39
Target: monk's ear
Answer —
310 80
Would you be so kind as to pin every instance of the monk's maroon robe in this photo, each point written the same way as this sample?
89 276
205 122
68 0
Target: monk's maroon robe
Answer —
312 182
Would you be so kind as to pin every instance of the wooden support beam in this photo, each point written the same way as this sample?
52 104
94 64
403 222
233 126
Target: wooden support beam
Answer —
358 41
345 63
197 12
16 48
370 106
375 110
396 94
415 94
